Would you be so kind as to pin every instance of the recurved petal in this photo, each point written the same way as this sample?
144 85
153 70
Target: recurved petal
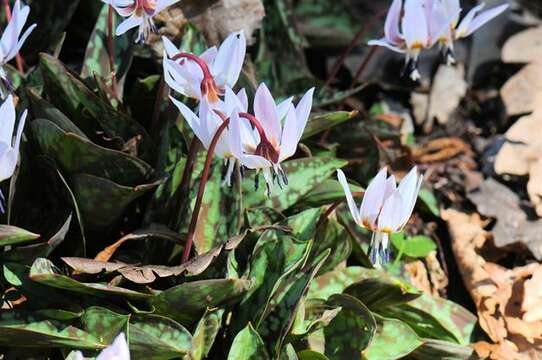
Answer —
415 29
349 198
481 20
390 219
409 188
209 55
383 42
232 102
130 23
169 47
7 120
303 111
162 4
8 161
243 98
283 108
193 121
373 199
288 140
229 59
118 350
266 112
255 162
393 20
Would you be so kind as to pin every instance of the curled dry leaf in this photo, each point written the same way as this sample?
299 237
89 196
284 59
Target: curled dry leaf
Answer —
441 149
497 292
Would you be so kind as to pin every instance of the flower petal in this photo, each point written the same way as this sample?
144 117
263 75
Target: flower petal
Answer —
385 43
391 26
118 350
481 20
193 121
266 112
229 60
415 29
130 23
391 214
303 111
349 198
169 47
373 199
7 121
162 4
288 140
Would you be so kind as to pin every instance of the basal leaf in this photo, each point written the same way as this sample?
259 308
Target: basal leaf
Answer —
248 345
10 235
378 293
393 340
104 323
205 333
334 282
437 349
321 122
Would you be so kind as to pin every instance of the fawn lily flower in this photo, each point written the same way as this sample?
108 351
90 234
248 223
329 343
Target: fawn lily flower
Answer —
140 14
207 75
412 30
9 146
12 40
451 9
209 120
276 142
118 350
385 208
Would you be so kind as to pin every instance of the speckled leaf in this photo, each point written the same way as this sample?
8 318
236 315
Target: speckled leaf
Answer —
10 235
312 315
96 55
321 122
45 110
75 154
26 330
393 340
432 349
104 323
350 331
248 345
332 235
102 202
303 176
205 333
71 96
158 338
28 253
282 307
187 302
44 272
326 193
334 282
378 293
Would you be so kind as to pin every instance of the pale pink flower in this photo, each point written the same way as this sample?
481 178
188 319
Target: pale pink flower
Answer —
207 75
139 13
118 350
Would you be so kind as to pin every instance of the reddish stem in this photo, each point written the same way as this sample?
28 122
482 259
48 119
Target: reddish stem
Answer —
201 191
256 123
201 63
340 61
111 51
18 58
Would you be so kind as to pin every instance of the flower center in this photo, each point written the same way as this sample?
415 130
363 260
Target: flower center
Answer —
265 148
208 85
145 6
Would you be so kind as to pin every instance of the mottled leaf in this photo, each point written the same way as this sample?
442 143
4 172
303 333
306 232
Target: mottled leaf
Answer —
432 349
104 323
393 340
248 345
334 282
10 235
378 293
321 122
205 333
157 337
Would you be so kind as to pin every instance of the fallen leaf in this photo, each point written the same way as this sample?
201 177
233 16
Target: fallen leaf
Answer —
448 89
520 91
523 47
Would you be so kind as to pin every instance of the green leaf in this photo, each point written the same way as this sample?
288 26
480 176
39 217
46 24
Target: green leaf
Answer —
327 192
75 154
248 345
334 282
393 340
20 329
350 331
303 176
187 302
102 202
332 235
321 122
205 333
103 323
44 272
378 293
96 60
157 337
312 315
432 349
311 355
417 246
430 201
10 235
71 95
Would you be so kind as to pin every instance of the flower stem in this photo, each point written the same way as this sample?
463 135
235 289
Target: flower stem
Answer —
111 51
18 58
201 191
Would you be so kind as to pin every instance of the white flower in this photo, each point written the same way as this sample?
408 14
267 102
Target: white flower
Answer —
275 141
206 75
12 40
9 146
140 14
385 207
451 9
209 120
118 350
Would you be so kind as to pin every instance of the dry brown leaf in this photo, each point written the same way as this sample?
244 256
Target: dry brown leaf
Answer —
524 47
418 276
496 291
438 277
532 301
448 89
441 149
520 91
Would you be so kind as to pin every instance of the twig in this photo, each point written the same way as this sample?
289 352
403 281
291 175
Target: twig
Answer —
340 61
201 191
18 58
111 51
